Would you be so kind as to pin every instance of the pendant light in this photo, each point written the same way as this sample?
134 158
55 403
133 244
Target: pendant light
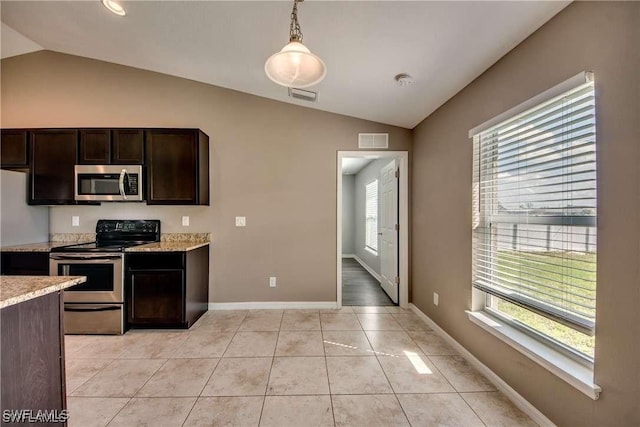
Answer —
295 65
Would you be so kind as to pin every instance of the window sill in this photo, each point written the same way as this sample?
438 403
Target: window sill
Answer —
371 251
577 375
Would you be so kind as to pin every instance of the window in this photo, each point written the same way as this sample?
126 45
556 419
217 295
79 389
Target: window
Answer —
371 212
534 224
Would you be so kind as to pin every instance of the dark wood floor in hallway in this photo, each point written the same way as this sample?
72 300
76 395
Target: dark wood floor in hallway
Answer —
359 287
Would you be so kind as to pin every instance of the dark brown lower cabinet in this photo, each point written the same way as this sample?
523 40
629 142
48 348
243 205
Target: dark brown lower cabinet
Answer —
156 297
32 362
24 263
167 289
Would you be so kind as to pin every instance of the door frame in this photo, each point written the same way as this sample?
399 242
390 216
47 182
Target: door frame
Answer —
403 219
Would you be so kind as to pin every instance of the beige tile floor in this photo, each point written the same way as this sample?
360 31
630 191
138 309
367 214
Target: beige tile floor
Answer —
358 366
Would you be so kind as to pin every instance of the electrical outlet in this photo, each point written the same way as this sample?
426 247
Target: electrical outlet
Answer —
241 221
185 221
272 282
436 299
75 221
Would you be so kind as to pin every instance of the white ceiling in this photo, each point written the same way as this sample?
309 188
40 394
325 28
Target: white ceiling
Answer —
443 45
353 165
13 43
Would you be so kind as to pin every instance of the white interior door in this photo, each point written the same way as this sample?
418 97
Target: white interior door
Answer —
388 232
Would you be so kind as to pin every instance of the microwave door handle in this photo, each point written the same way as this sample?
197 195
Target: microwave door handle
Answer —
123 173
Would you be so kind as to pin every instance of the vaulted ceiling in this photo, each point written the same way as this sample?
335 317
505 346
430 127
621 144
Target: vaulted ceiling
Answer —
443 45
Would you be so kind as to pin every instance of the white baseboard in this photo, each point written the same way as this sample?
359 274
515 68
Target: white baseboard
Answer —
254 305
348 255
369 269
500 384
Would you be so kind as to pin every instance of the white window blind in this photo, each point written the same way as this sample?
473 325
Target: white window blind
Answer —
534 236
371 212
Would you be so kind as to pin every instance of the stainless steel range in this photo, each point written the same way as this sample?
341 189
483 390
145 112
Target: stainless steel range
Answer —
97 306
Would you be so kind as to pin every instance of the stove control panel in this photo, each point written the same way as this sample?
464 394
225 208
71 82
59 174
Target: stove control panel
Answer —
124 227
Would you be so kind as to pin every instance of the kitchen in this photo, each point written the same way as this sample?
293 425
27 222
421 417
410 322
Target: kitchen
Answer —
126 275
265 157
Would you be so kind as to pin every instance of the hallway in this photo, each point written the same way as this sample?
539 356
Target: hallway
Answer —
359 287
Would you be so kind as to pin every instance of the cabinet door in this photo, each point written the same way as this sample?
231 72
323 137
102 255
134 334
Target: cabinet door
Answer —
53 157
172 164
25 263
32 356
95 147
156 297
127 147
14 149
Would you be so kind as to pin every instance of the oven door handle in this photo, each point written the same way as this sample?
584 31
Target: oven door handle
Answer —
92 308
84 257
123 173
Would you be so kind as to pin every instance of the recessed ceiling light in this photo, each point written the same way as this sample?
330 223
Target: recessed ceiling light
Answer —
403 79
114 7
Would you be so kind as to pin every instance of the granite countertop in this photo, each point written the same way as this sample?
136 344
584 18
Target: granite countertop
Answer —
173 246
17 289
35 247
170 242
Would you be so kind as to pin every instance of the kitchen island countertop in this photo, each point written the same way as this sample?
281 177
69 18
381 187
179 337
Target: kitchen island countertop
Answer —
17 289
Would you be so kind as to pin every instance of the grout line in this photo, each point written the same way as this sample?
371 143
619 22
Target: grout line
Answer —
326 366
88 379
211 374
473 410
273 358
190 410
118 413
264 397
150 376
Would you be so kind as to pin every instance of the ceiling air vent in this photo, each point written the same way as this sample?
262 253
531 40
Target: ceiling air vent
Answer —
373 140
305 95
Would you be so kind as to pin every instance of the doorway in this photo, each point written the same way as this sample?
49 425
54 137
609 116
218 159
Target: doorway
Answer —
372 248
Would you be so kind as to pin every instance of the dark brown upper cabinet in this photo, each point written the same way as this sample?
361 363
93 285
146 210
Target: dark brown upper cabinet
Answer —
111 146
14 149
94 147
127 146
177 163
53 157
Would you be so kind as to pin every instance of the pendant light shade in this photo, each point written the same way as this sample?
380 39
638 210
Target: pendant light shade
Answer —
295 65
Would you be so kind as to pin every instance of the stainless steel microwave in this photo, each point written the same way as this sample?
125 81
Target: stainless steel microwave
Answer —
108 183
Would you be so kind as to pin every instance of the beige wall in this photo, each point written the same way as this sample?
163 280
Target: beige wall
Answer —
272 162
604 38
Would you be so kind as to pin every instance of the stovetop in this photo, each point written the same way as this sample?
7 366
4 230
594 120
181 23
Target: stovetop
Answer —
97 247
117 235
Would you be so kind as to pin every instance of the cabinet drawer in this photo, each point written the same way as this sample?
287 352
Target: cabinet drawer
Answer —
155 260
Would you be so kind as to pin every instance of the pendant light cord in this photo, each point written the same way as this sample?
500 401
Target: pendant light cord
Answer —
295 33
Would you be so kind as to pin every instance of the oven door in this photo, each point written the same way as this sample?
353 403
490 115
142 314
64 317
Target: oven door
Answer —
104 271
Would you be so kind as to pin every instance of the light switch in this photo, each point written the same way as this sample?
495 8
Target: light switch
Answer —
185 221
241 221
75 221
